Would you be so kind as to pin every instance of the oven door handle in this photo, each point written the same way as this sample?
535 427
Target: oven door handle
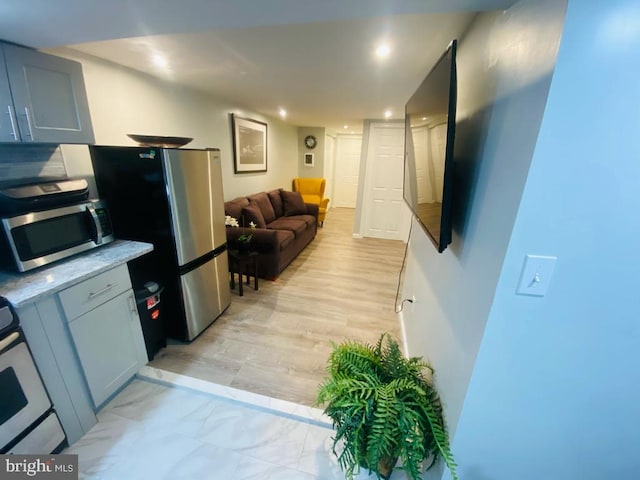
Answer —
5 342
96 224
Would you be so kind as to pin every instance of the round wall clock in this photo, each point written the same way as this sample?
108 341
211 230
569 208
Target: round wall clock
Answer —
310 142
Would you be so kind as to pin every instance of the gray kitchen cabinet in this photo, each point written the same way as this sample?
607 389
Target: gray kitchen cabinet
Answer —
45 327
47 101
49 299
8 127
106 331
110 345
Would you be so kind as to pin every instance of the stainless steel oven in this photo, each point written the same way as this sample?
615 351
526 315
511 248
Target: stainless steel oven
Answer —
35 239
28 423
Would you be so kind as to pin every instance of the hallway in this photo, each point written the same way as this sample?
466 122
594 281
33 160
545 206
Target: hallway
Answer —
275 341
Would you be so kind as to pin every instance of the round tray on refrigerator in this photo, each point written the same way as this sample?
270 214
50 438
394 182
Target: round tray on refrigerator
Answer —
158 141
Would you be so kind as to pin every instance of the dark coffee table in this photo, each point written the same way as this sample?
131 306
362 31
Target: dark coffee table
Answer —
243 263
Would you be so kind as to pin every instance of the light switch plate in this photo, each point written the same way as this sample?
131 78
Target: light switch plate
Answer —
536 275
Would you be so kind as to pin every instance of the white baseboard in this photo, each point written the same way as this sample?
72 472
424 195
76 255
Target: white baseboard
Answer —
356 235
403 334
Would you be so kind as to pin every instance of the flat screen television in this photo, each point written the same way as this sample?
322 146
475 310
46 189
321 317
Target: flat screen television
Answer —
430 123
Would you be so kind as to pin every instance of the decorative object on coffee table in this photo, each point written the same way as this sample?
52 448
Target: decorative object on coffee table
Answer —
384 409
243 242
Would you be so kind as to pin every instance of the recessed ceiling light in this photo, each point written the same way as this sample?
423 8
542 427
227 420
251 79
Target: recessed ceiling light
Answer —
383 50
388 113
159 61
345 127
282 112
424 118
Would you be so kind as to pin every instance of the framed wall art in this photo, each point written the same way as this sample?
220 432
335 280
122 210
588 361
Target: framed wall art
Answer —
308 160
249 145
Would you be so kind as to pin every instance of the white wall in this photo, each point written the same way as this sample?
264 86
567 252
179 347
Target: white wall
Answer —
504 63
556 387
124 101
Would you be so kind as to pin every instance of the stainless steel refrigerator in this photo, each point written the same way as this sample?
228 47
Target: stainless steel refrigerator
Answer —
172 198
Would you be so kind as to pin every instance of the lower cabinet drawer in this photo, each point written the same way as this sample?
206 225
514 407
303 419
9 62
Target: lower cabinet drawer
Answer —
43 439
110 345
87 295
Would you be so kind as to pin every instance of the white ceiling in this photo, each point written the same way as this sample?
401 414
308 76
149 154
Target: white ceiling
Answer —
314 58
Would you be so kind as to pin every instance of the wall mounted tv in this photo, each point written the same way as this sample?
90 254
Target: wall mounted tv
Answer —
430 122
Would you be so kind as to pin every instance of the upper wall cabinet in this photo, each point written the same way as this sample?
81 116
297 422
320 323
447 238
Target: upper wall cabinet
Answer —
42 98
8 127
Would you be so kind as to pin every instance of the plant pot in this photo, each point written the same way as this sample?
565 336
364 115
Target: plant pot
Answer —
385 467
363 437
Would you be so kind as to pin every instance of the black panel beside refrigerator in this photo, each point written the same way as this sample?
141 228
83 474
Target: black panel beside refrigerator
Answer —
173 199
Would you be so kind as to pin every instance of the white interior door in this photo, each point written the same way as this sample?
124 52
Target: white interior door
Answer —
347 165
329 164
385 213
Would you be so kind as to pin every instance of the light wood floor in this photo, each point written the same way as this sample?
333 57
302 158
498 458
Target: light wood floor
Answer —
276 341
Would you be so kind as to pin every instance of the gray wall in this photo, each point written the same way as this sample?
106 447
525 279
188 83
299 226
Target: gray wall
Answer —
505 63
318 169
555 389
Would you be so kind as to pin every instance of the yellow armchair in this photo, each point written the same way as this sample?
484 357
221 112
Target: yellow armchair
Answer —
312 191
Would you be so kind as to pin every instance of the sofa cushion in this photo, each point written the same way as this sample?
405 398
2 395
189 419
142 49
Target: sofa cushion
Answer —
262 200
252 213
309 219
276 202
285 237
292 203
292 224
234 207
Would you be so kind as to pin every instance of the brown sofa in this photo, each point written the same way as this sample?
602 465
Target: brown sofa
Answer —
285 225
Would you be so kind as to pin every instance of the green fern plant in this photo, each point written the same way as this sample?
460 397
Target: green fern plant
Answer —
383 409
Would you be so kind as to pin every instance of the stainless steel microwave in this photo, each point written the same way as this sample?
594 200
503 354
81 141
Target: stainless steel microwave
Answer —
35 239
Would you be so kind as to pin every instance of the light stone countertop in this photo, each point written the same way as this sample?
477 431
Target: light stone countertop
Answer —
24 288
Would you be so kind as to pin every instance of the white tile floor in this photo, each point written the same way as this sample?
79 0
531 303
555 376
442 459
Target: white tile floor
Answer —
155 431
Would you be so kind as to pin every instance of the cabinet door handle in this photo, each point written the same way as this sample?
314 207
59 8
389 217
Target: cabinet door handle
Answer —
109 286
12 121
26 113
9 340
132 304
